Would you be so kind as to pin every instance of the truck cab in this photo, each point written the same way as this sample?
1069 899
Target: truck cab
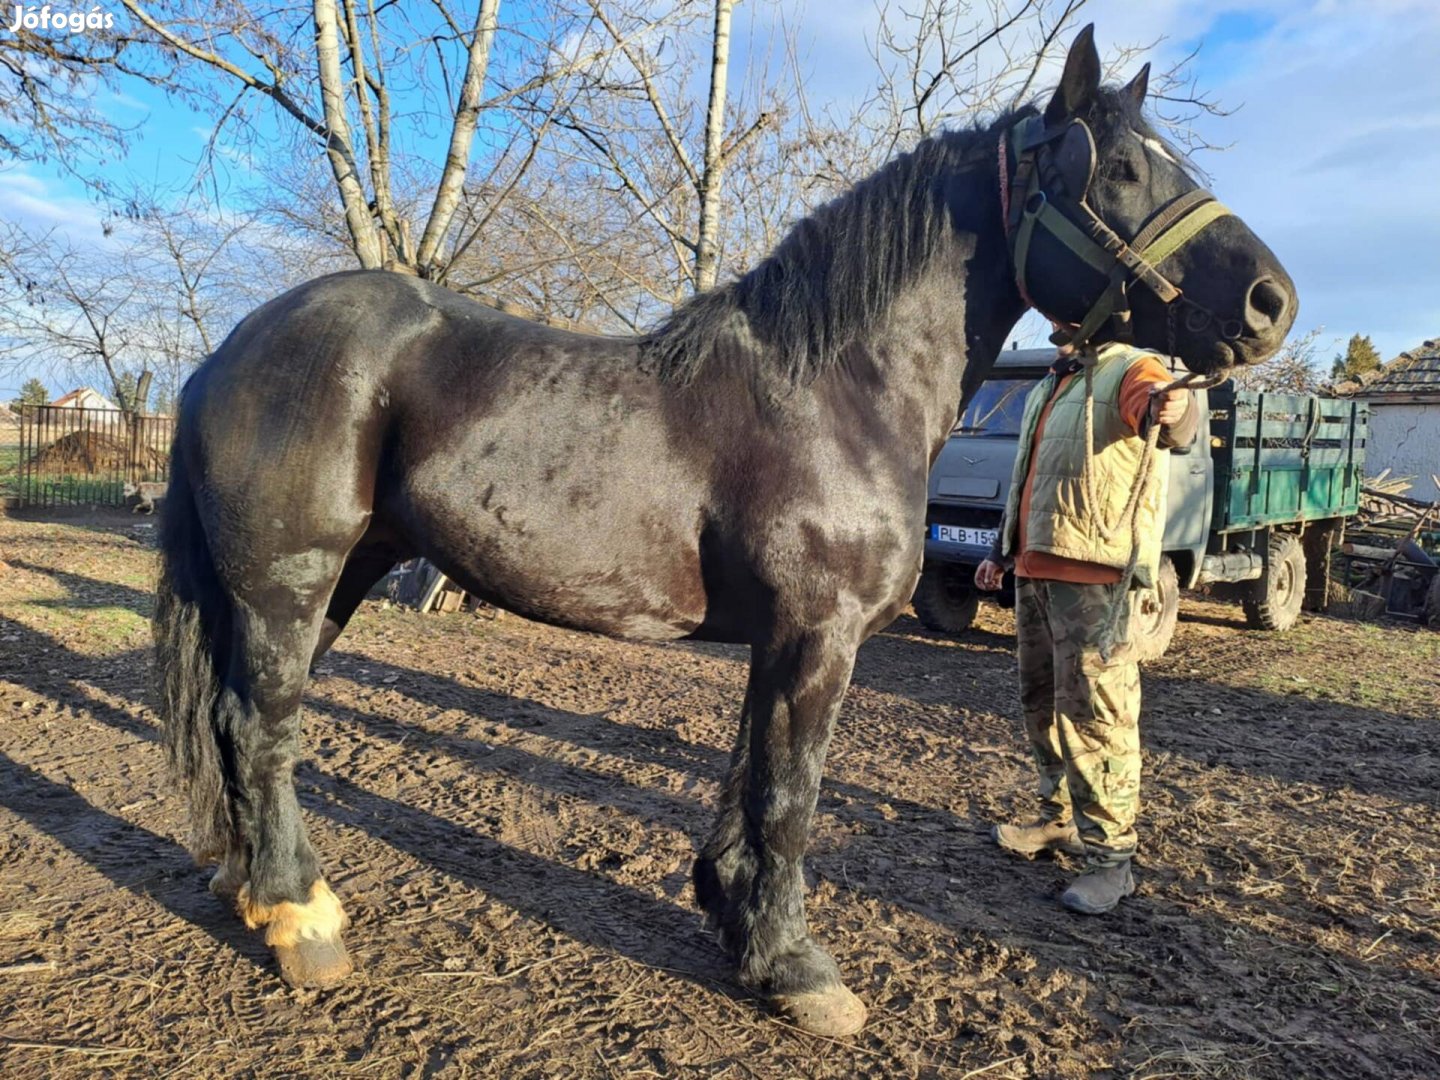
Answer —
1288 468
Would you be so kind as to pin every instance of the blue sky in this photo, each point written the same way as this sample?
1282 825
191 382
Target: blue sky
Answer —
1334 147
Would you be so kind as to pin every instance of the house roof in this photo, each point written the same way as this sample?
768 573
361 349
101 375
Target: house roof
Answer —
84 394
1416 370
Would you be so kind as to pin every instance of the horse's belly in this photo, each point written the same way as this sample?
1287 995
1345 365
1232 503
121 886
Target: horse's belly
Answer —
619 566
653 595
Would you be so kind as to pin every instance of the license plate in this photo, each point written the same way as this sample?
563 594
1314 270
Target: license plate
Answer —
962 534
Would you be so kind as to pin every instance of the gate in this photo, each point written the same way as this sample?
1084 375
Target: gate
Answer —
85 457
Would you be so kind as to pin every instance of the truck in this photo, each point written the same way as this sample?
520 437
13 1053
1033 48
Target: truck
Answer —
1255 507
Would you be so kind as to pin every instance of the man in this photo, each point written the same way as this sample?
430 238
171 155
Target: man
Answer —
1070 539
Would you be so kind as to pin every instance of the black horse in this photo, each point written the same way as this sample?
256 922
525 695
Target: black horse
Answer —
752 471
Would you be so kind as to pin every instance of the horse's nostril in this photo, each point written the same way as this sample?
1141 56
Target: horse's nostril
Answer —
1266 304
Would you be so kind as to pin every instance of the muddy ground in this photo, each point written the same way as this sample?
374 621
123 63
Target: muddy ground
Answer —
509 813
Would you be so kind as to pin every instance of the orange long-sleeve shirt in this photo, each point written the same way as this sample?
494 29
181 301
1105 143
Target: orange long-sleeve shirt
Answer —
1140 381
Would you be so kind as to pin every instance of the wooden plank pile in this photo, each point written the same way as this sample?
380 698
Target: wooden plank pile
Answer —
420 584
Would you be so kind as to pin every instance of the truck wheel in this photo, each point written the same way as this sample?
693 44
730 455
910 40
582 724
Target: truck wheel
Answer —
1153 613
945 600
1282 590
1432 602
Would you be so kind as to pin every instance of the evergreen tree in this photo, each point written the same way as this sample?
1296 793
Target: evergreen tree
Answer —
1360 357
32 393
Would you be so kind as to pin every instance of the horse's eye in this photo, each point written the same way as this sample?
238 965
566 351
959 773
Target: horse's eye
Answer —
1126 171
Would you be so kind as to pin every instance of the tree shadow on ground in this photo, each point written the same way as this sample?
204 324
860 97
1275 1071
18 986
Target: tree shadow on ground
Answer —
115 847
1288 737
101 519
590 908
84 593
662 747
876 827
1155 951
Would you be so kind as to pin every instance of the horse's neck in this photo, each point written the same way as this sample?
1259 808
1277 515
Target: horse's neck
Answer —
943 332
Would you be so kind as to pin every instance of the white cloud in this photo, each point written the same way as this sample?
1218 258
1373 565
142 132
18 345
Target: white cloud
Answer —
33 202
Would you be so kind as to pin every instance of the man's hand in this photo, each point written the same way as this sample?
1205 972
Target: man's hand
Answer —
988 575
1169 407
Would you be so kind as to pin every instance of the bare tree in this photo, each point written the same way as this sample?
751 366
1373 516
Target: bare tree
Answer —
69 306
49 108
602 158
340 79
940 62
156 293
654 130
712 169
712 182
947 62
1295 369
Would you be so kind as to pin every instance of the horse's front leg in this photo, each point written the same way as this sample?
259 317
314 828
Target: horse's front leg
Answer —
749 877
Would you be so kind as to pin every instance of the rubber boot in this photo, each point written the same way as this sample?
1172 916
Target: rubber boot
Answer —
1031 838
1099 889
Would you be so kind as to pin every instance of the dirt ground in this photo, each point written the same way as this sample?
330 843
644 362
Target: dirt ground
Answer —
509 813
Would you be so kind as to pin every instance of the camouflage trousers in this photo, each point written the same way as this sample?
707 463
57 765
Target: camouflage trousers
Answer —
1082 712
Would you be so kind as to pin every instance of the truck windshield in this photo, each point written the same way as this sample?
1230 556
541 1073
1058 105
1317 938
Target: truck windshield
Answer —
996 408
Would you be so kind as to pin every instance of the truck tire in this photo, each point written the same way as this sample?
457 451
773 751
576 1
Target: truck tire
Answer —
945 600
1153 613
1281 590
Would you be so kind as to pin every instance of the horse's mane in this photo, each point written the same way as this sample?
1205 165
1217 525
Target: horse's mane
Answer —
833 273
838 269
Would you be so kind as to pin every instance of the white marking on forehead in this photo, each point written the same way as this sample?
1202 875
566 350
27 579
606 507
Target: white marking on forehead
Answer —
1156 147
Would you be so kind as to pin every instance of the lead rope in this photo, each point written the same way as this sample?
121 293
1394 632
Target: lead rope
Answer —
1188 381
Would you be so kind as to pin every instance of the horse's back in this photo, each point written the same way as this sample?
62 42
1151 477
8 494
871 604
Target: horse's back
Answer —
312 380
536 465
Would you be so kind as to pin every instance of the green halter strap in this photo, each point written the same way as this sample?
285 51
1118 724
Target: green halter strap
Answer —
1028 207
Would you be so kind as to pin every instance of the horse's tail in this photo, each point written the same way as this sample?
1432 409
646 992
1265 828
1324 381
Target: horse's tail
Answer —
192 618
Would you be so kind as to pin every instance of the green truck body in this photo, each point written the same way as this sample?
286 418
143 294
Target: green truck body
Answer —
1283 459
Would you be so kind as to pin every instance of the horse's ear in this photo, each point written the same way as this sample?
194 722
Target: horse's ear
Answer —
1079 82
1138 87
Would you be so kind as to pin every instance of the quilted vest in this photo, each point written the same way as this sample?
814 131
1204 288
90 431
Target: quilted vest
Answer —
1062 521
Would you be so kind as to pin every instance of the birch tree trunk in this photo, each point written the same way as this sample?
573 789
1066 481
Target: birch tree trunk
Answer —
462 134
338 148
712 174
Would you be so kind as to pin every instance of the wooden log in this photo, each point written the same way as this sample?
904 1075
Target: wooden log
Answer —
1365 551
432 594
1403 500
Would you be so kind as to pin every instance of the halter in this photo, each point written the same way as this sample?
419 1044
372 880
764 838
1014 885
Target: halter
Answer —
1044 157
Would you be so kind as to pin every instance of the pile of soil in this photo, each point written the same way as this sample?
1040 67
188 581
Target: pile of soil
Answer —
94 452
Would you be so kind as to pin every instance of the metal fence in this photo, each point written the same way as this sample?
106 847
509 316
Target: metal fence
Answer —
85 457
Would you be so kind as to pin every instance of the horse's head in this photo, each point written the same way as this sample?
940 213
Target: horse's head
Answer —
1110 232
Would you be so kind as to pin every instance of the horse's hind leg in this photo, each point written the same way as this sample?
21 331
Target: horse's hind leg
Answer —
749 877
274 631
362 570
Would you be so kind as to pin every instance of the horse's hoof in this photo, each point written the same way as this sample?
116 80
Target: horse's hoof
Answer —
314 963
835 1012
